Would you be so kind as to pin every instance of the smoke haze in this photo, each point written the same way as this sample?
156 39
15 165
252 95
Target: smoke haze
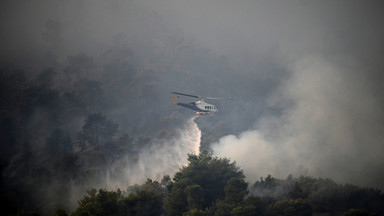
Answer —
306 78
163 157
329 127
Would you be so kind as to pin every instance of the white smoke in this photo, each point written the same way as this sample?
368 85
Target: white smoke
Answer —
330 126
162 157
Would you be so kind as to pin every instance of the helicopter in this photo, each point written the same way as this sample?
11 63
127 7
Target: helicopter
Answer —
200 107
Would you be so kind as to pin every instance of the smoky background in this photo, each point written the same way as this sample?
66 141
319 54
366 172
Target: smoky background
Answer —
306 79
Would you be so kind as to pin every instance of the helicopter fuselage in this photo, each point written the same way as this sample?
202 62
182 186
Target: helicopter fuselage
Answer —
200 107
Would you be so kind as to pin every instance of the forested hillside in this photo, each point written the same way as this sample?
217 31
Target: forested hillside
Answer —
71 121
87 125
216 186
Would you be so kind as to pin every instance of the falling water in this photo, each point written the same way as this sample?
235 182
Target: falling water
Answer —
192 137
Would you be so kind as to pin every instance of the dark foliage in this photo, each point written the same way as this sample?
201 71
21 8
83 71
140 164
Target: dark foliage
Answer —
146 200
323 195
205 180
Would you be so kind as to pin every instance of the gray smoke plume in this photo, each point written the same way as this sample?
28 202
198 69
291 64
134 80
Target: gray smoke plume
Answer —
162 157
306 77
331 126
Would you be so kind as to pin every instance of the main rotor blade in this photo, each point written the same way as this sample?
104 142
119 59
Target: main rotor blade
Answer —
188 95
212 98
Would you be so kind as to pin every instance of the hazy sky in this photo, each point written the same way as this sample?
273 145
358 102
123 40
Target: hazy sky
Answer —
329 84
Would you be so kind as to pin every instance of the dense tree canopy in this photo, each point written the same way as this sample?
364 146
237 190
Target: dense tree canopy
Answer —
215 186
205 180
146 200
